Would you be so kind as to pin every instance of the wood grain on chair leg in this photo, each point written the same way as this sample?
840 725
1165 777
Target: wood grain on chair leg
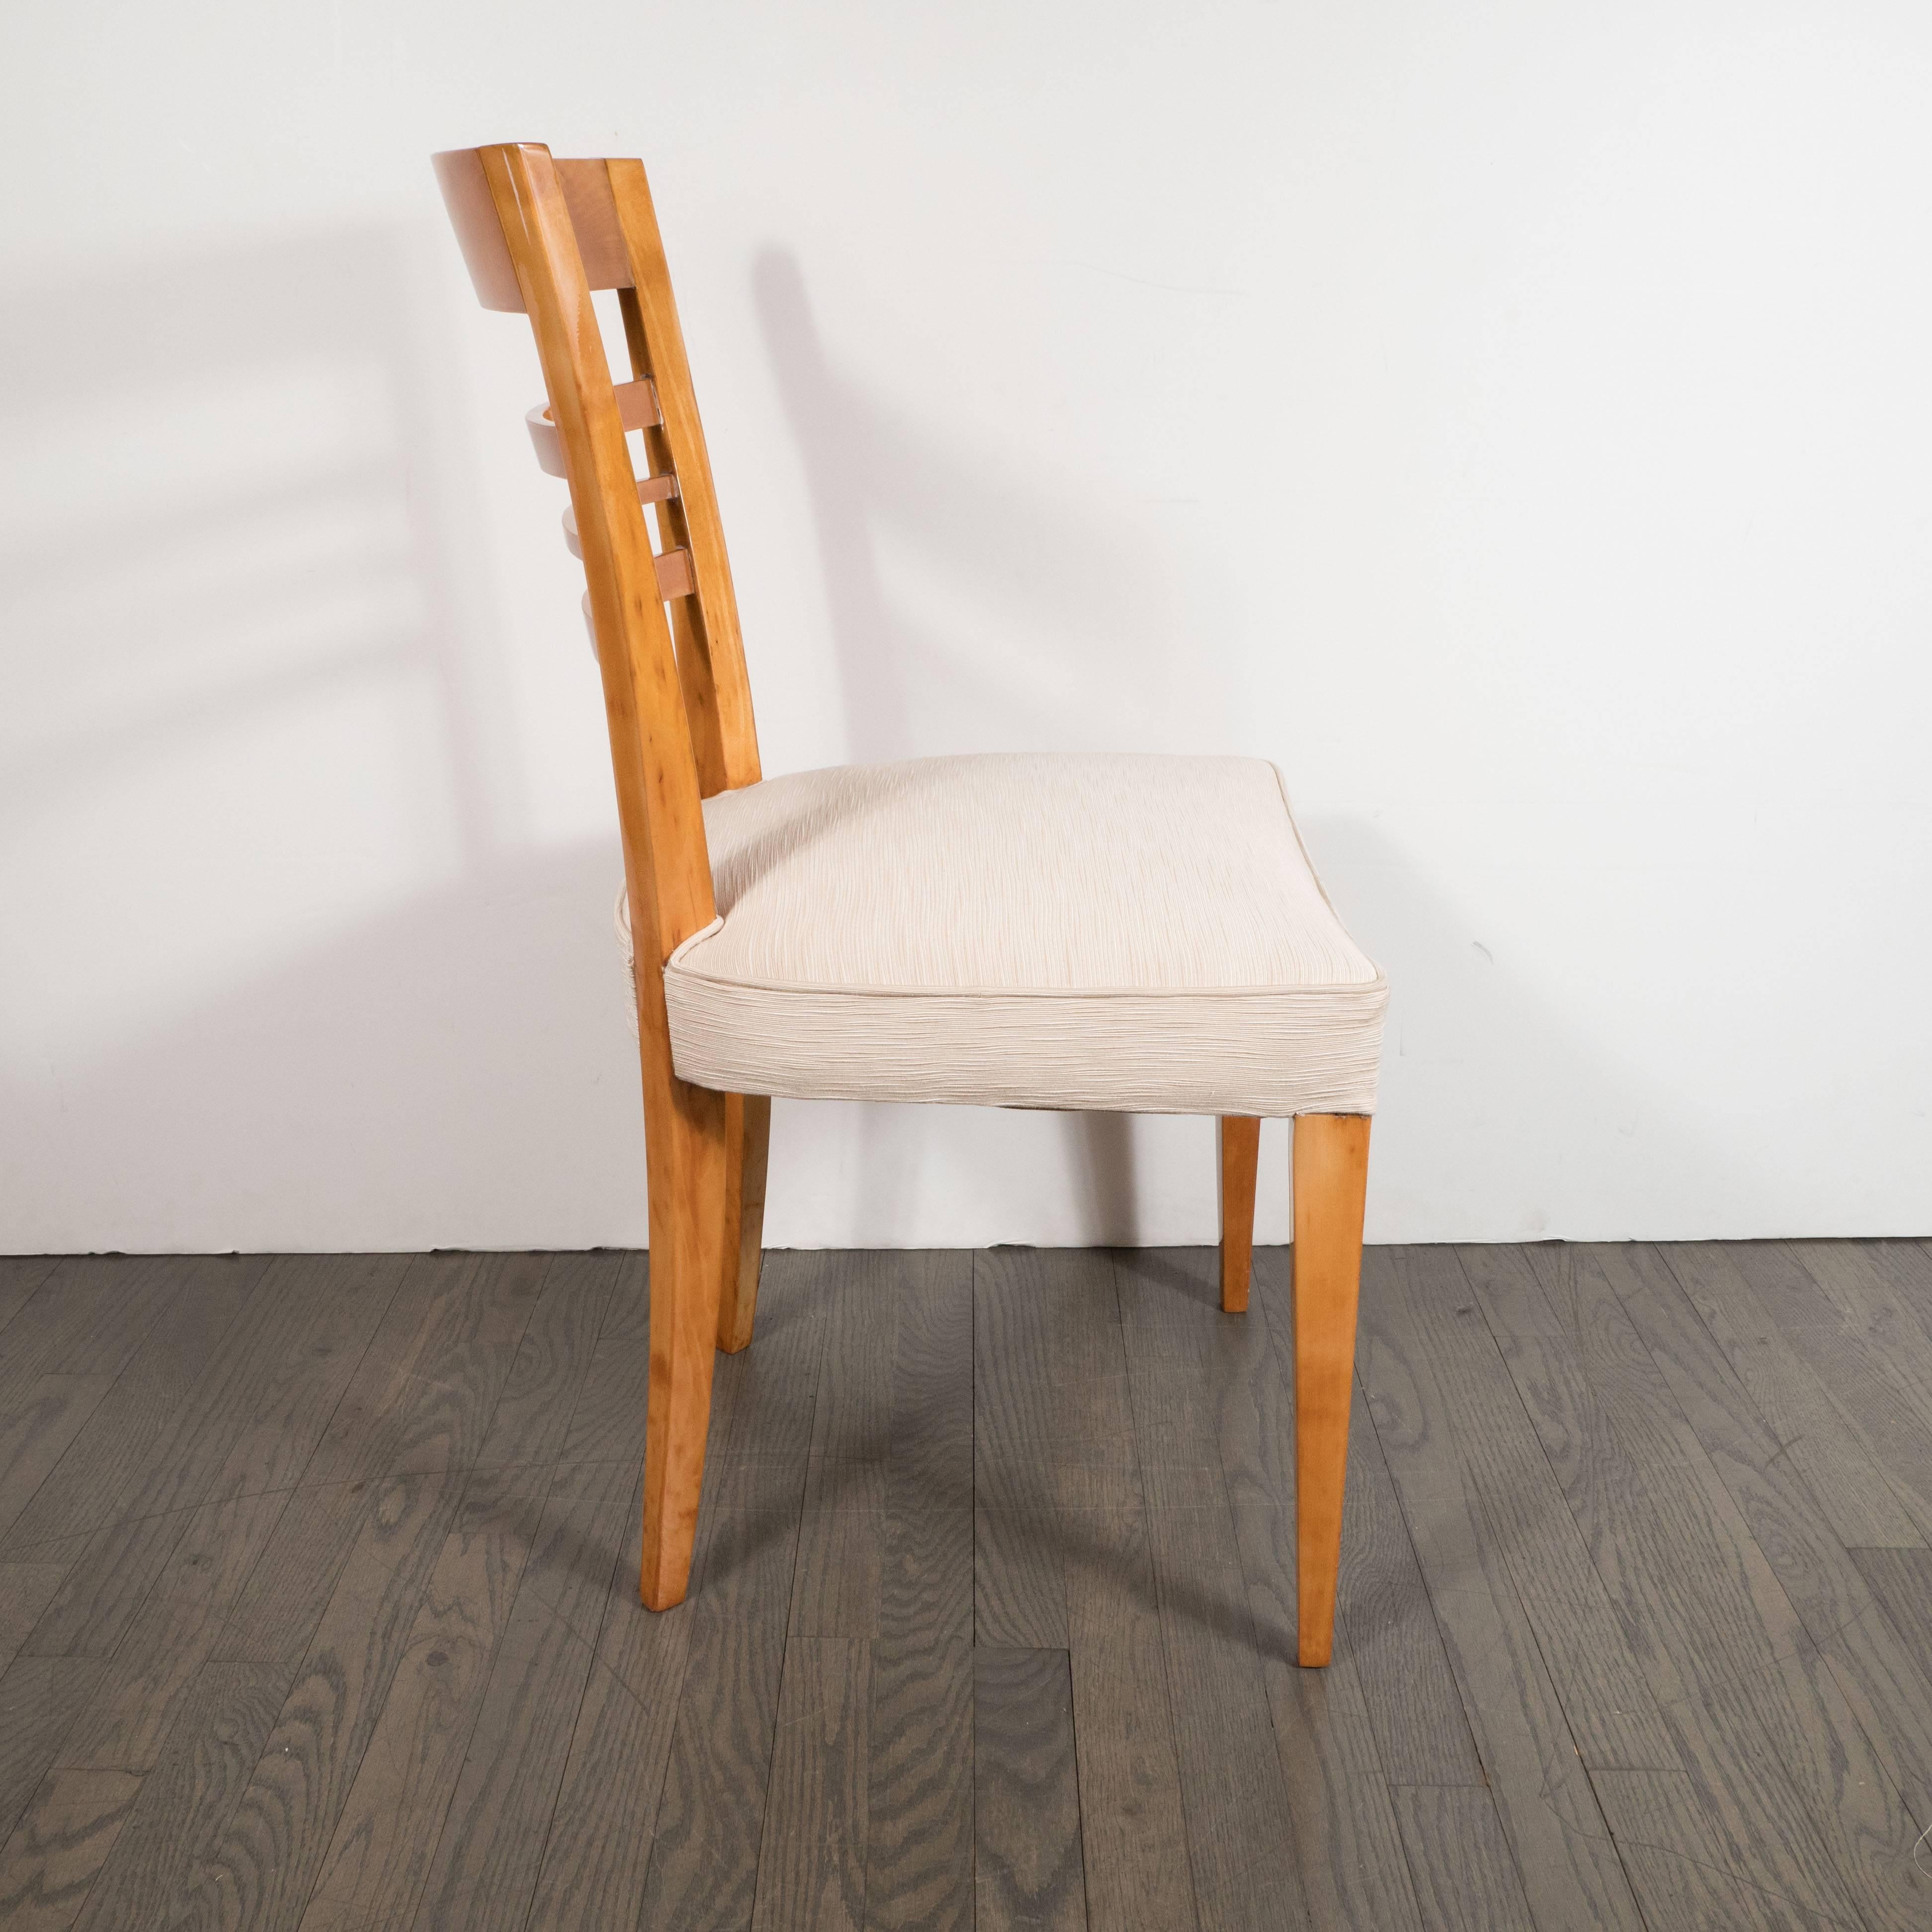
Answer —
1240 1157
684 1141
1331 1172
748 1140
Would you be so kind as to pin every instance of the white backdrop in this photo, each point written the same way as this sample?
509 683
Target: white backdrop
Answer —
1514 419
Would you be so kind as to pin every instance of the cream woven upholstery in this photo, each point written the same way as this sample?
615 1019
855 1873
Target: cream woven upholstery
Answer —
1135 933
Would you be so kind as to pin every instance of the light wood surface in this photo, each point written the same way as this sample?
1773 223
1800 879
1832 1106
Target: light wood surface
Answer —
678 703
472 208
718 687
1331 1175
1240 1149
650 489
594 221
636 409
667 870
672 568
748 1140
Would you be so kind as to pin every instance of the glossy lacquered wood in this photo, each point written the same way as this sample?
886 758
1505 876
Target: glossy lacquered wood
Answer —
718 687
747 1141
666 873
1240 1150
1331 1176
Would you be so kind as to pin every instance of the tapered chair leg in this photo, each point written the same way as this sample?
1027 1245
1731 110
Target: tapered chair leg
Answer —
747 1141
1331 1172
1240 1157
684 1140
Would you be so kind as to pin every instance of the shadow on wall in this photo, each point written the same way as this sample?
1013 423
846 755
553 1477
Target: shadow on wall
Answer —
1476 1067
1477 1064
1059 609
218 516
972 611
973 608
281 957
277 959
457 1071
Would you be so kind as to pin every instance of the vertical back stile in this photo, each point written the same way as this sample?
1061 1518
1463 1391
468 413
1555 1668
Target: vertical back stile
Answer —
539 236
711 652
667 868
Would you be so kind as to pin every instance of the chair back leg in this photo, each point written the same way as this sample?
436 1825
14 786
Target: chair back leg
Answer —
747 1141
1331 1172
1240 1140
685 1144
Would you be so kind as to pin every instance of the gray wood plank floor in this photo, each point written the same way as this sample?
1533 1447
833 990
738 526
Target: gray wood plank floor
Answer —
318 1611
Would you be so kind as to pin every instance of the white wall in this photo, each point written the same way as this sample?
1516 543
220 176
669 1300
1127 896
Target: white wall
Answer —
1515 418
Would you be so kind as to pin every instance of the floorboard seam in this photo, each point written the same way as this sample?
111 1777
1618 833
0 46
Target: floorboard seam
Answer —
322 1437
435 1844
576 1718
1874 1744
126 1369
784 1648
596 1642
1848 1879
1737 1879
1153 1577
1607 1835
1415 1877
465 1469
1281 1352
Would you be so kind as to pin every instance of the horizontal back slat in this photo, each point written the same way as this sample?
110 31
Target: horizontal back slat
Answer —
637 409
587 198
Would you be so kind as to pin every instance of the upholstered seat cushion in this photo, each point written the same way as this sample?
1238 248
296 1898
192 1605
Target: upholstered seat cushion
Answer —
1137 933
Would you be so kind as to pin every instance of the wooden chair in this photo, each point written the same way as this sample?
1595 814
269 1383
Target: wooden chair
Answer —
1132 933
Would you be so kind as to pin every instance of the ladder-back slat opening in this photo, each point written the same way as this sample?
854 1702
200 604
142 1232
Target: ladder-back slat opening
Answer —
637 409
650 489
541 236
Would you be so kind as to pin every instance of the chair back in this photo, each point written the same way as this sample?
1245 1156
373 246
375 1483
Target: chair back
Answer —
539 234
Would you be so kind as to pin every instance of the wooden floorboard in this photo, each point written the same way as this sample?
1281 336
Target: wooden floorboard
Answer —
1456 1843
1794 1791
1335 1757
90 1315
486 1862
318 1602
391 1824
119 1436
1199 1447
271 1848
55 1855
1026 1850
160 1870
1133 1831
1437 1422
811 1860
918 1804
20 1276
248 1426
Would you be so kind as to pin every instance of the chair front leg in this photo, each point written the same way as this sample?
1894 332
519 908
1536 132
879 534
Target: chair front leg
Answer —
685 1151
1241 1139
1331 1172
747 1141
